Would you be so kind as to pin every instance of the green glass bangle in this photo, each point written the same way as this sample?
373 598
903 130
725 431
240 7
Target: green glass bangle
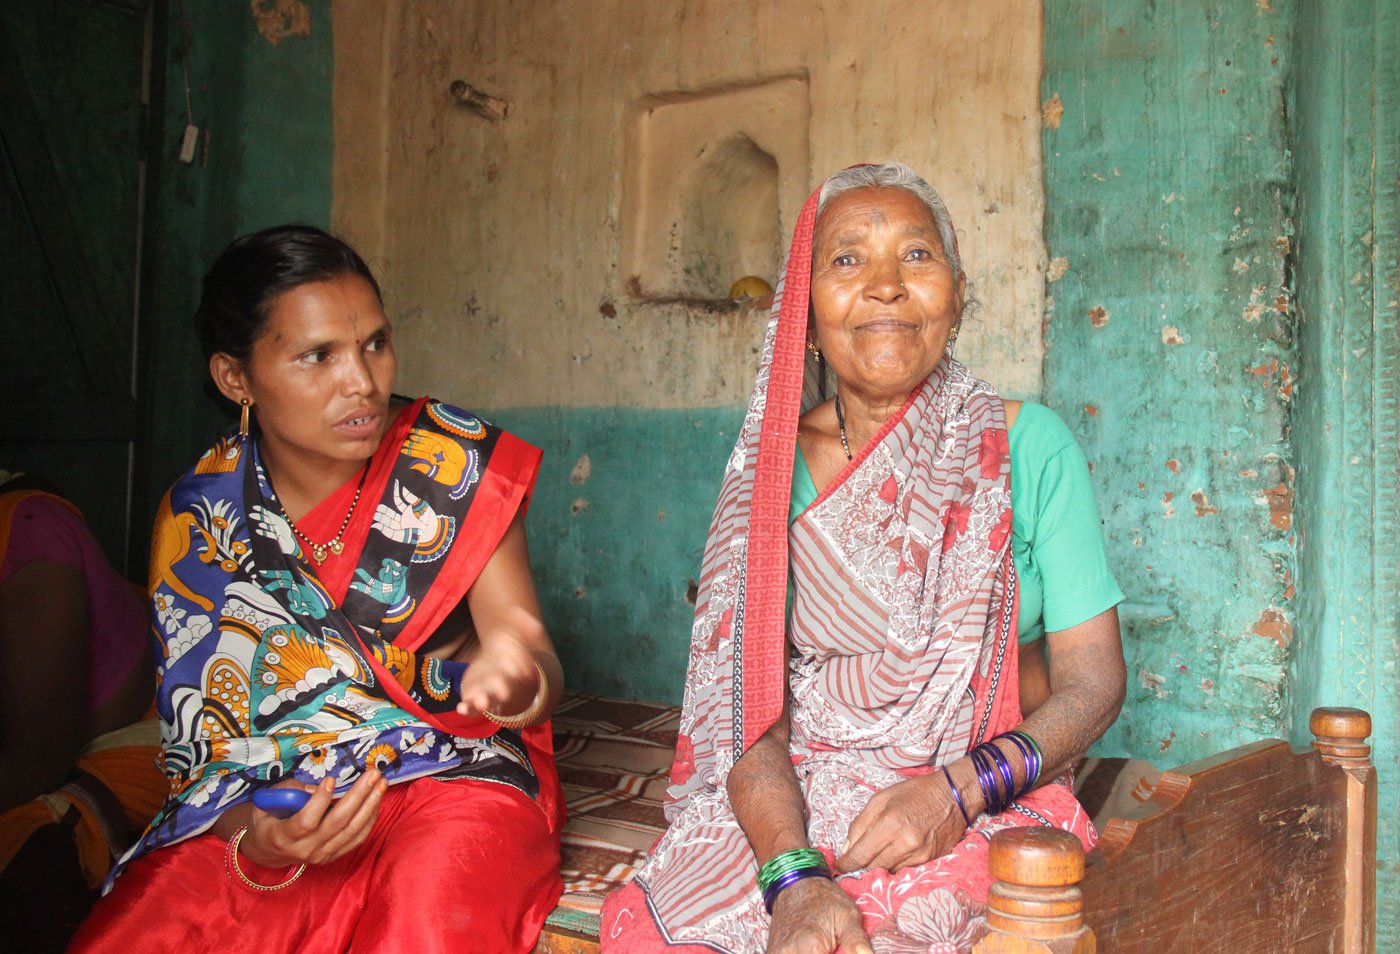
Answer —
786 862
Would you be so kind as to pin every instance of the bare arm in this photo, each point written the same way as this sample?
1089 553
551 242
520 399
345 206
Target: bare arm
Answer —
1087 681
44 658
765 796
511 631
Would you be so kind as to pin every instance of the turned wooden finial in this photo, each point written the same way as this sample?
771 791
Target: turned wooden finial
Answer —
1035 904
1037 857
1340 734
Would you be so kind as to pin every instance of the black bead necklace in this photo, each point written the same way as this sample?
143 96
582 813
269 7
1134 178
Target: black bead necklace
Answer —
841 423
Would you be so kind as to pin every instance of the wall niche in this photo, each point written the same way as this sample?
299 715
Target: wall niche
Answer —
713 184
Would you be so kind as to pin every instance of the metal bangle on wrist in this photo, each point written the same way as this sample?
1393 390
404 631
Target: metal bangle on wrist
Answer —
234 868
531 714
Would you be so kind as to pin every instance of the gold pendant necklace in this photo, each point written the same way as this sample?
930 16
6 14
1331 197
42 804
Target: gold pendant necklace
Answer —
318 550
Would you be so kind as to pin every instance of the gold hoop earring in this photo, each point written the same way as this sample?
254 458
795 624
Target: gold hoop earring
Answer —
953 338
244 404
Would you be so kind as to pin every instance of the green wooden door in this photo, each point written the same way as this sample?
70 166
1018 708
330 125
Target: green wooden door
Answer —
72 78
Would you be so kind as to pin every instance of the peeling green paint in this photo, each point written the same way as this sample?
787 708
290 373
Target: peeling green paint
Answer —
1192 136
617 528
1170 348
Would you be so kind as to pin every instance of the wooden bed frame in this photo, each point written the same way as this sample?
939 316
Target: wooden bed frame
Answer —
1260 849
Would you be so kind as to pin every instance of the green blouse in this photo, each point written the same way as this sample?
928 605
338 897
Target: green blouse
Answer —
1056 540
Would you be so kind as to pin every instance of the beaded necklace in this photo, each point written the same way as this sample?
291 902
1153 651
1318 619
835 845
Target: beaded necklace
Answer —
318 550
841 423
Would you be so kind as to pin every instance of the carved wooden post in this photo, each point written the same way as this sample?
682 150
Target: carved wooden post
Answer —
1035 906
1339 736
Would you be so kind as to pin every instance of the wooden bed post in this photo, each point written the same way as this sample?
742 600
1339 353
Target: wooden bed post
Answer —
1339 736
1035 905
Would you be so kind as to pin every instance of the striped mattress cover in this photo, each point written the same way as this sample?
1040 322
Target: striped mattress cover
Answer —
613 757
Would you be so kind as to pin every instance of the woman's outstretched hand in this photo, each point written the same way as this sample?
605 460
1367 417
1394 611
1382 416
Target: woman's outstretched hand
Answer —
323 830
503 679
909 823
814 916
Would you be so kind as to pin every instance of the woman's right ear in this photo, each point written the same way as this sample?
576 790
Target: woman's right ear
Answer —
227 374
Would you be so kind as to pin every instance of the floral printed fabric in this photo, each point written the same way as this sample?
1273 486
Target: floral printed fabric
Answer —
264 675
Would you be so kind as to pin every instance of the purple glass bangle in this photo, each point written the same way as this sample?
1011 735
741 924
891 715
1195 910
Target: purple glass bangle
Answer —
788 880
1025 761
957 797
1029 756
1003 765
986 779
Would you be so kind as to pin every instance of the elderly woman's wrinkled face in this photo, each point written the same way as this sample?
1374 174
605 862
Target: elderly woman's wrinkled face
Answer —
883 293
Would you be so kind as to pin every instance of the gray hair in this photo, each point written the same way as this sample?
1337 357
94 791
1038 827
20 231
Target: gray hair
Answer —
896 175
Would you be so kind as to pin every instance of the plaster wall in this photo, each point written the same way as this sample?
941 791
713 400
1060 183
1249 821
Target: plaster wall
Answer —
500 242
508 263
1345 110
1221 218
1171 349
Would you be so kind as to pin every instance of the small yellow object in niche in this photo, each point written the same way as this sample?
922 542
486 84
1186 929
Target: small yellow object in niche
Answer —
750 286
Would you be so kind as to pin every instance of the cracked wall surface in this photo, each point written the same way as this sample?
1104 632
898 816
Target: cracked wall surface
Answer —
1171 348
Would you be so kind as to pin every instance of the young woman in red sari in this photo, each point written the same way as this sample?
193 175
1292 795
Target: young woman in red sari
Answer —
342 606
855 724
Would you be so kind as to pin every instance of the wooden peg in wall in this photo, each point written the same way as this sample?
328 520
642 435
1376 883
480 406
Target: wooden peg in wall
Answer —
490 107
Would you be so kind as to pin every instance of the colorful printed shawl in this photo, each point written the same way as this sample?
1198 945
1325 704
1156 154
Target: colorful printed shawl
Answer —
272 667
903 653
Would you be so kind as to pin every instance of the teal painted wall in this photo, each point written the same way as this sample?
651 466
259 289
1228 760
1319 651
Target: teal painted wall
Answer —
1345 112
616 540
267 160
1170 348
1214 161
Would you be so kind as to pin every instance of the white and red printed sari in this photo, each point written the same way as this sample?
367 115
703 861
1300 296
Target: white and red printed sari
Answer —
898 656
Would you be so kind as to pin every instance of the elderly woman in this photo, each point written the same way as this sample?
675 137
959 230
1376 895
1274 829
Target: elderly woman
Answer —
853 729
343 613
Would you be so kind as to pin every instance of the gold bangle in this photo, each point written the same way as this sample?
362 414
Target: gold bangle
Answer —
234 869
532 713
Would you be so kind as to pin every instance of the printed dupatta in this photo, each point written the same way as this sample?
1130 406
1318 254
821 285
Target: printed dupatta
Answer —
267 672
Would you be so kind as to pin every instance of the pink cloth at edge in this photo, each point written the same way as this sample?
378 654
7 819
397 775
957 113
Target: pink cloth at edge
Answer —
44 529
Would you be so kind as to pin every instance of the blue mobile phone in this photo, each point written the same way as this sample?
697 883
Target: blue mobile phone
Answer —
281 802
